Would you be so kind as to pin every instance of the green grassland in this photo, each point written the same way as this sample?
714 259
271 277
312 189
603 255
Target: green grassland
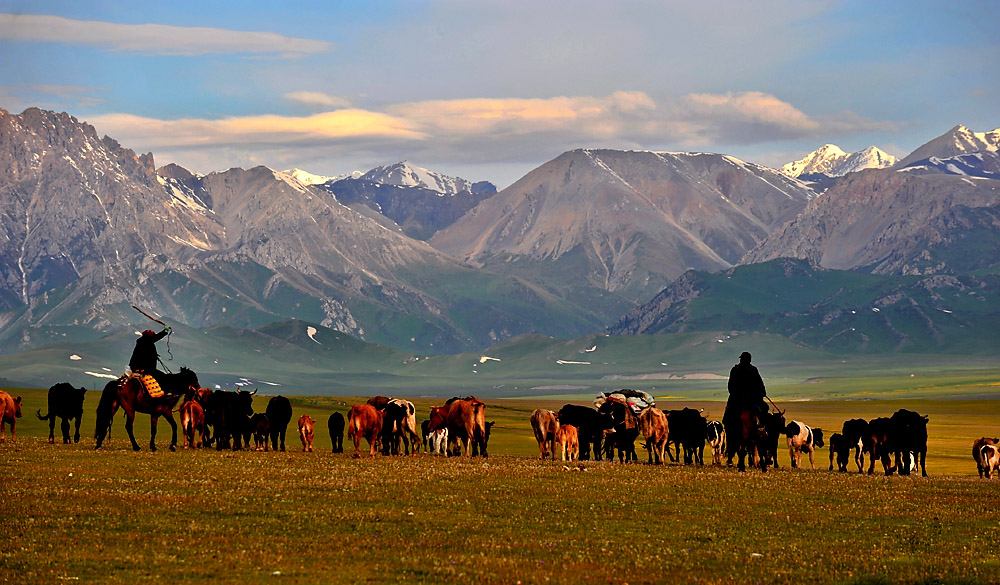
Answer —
114 516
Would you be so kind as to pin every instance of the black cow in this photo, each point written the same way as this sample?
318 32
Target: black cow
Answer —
229 413
65 402
687 429
877 442
487 429
392 426
854 431
909 439
841 449
590 425
773 425
279 413
626 431
260 428
336 427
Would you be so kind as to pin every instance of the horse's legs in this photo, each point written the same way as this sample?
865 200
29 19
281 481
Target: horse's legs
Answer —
173 429
129 421
153 419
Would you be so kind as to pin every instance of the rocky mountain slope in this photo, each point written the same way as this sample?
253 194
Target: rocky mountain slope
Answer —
610 228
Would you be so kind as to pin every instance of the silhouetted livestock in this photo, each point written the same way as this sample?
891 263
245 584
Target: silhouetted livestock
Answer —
590 426
909 440
10 411
841 450
399 424
854 431
801 438
687 430
65 402
335 424
279 415
773 424
260 430
626 426
544 424
128 394
230 414
877 442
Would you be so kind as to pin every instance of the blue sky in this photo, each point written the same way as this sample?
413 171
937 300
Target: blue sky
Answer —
490 89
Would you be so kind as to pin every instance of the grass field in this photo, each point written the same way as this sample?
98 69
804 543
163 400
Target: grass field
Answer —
113 516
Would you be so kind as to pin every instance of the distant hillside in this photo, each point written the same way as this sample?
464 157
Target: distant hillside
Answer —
830 310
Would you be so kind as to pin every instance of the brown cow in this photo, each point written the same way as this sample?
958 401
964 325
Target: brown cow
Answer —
306 432
977 452
365 421
10 409
467 424
569 442
193 420
655 428
545 424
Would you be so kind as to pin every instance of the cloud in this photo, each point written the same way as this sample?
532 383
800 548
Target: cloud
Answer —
23 95
153 38
315 98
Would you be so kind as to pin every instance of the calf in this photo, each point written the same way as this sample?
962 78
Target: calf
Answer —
364 421
306 432
715 434
193 421
802 439
279 415
545 424
569 442
655 429
990 456
840 448
65 402
10 410
977 455
335 424
260 427
438 442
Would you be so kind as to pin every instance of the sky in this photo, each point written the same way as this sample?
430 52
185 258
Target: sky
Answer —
491 89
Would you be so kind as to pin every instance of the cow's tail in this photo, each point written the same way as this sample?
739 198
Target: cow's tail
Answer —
46 417
106 410
351 422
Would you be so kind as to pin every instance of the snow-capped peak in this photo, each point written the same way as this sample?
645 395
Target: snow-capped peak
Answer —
968 141
307 178
832 161
405 174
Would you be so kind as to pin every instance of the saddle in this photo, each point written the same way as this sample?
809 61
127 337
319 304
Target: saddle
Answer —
149 385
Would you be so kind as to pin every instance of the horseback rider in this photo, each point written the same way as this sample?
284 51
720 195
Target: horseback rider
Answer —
144 356
746 388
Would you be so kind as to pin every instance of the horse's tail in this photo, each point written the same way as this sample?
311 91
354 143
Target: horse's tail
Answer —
46 417
106 409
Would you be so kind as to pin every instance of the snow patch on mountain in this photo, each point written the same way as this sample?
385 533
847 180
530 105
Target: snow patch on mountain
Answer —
405 174
832 161
307 178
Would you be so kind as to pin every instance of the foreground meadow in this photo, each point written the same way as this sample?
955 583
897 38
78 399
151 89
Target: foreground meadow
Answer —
113 516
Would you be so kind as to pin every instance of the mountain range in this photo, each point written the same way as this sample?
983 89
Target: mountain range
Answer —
416 260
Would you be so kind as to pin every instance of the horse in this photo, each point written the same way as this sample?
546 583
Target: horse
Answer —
744 437
127 393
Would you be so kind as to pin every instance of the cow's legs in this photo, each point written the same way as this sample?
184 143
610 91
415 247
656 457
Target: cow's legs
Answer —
52 429
64 426
923 463
76 435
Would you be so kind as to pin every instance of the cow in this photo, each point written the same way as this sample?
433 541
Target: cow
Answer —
909 441
65 402
801 438
687 430
977 455
715 434
545 423
306 425
259 428
877 442
378 402
230 413
841 449
335 425
279 415
590 426
193 421
467 424
487 429
364 421
773 425
10 410
990 456
854 431
626 427
655 429
399 423
438 442
569 442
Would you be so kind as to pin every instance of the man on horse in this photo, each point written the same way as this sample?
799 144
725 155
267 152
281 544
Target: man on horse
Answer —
746 388
144 356
744 413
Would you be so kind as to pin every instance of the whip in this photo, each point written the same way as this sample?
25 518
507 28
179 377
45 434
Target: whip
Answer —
169 333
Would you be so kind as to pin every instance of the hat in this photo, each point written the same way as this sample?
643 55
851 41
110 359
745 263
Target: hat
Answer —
746 355
148 332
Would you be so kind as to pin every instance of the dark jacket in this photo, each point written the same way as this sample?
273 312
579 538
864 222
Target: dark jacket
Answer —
745 385
144 355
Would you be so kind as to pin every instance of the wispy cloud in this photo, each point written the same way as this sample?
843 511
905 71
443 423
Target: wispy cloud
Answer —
153 38
316 98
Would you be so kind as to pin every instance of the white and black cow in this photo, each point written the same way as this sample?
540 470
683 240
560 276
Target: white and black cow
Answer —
715 434
990 456
801 439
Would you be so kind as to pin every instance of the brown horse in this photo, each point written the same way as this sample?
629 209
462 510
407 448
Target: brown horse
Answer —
128 394
744 437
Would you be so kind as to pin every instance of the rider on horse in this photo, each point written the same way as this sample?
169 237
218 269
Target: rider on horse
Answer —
144 356
746 389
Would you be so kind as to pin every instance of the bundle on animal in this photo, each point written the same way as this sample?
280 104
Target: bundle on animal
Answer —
65 402
129 394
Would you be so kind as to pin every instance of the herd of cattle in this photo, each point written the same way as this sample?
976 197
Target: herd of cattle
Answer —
227 421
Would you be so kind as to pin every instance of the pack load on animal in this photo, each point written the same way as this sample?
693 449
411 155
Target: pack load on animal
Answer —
151 386
637 400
